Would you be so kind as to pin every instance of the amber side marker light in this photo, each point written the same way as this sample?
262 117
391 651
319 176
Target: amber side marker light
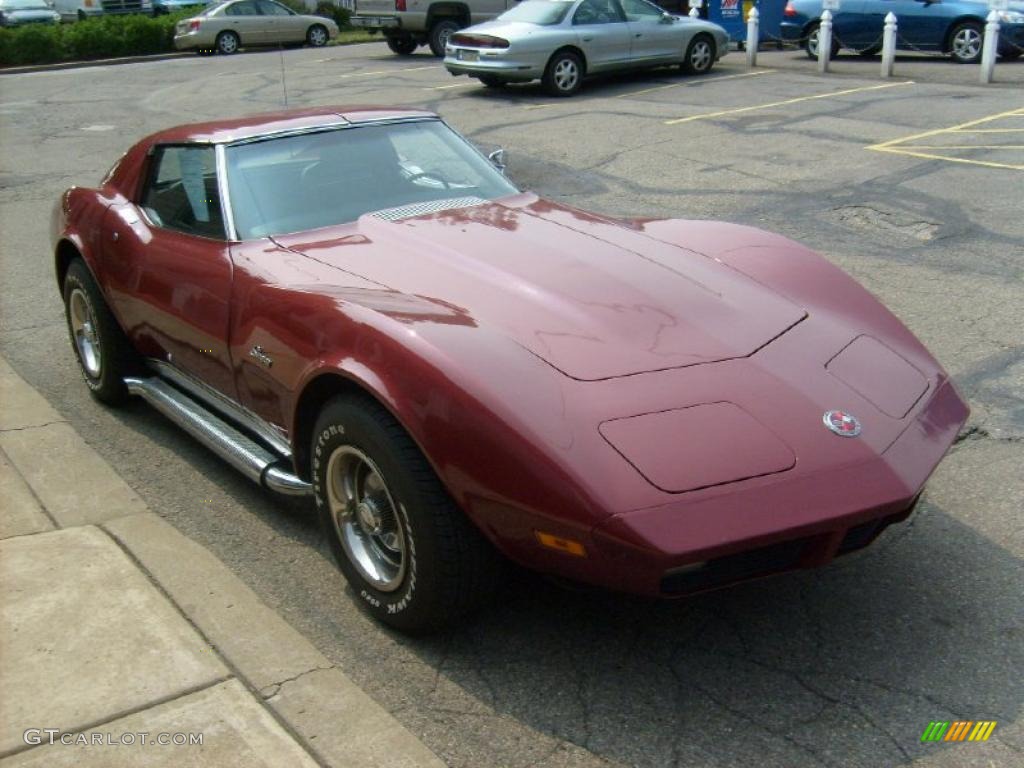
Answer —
566 546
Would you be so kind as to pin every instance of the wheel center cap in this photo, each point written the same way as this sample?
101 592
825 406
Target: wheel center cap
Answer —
369 517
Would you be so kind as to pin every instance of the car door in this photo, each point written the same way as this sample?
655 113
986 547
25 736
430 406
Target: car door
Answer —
654 37
852 25
602 34
244 17
921 23
168 266
281 24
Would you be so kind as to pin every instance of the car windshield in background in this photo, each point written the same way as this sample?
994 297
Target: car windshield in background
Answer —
542 12
23 5
323 178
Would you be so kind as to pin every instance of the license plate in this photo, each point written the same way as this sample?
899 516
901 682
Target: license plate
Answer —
463 55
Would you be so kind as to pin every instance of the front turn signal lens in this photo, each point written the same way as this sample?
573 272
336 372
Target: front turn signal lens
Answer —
560 544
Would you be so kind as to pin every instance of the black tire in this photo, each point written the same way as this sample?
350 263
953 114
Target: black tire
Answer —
811 43
490 81
700 55
440 31
403 46
449 569
317 36
965 42
563 75
228 43
114 359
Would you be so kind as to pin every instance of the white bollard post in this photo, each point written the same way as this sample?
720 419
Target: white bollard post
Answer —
695 6
824 41
753 36
889 44
989 46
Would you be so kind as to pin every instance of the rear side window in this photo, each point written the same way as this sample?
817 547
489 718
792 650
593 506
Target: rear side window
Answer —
182 193
244 8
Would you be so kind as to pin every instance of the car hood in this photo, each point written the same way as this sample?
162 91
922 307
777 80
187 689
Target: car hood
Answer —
591 297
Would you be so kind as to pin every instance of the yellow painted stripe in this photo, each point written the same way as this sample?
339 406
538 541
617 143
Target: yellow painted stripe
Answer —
963 146
769 105
981 726
988 731
453 85
385 71
928 156
916 136
987 130
539 106
692 83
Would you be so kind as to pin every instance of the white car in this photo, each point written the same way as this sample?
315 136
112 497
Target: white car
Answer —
77 10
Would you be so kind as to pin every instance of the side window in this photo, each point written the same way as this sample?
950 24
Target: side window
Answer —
181 192
268 8
640 10
597 12
243 8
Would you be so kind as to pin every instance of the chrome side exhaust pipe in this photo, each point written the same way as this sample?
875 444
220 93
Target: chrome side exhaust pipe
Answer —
250 458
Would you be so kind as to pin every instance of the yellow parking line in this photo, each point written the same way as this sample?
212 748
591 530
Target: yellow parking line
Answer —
446 87
904 139
964 146
739 110
694 82
989 130
386 71
929 156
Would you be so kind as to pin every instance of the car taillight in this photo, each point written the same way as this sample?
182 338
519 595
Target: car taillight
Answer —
193 26
790 10
400 5
478 41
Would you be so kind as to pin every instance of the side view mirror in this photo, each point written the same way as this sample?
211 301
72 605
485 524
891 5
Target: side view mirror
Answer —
497 158
667 18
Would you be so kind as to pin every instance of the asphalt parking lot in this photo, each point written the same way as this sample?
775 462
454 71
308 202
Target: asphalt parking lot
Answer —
915 185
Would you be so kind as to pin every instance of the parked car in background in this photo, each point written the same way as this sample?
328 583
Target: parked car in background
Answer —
161 7
14 13
408 24
226 27
72 10
955 27
561 41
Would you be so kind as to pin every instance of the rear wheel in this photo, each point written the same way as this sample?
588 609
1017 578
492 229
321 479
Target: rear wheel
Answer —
564 74
317 36
811 43
965 43
700 56
403 46
104 354
228 43
411 556
440 31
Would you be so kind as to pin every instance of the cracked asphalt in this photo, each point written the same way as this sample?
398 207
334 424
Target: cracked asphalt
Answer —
843 666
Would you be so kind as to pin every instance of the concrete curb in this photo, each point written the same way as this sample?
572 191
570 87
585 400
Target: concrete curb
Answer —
249 671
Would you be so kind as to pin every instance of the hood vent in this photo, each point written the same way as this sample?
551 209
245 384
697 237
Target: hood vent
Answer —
431 206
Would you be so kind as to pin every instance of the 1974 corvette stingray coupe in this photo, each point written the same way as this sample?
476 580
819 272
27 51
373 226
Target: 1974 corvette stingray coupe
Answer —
353 303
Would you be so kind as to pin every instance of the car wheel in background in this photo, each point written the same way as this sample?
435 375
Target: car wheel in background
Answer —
440 31
317 36
700 56
490 81
104 354
228 43
965 42
811 43
412 558
564 74
403 46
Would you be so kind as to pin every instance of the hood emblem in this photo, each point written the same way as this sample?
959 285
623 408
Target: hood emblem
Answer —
842 423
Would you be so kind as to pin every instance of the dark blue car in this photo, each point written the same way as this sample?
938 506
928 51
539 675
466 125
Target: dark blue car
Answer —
956 27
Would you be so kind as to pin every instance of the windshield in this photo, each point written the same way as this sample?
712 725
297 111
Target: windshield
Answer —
312 180
24 5
543 12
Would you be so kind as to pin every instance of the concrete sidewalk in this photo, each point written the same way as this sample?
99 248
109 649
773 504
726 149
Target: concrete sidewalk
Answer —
117 633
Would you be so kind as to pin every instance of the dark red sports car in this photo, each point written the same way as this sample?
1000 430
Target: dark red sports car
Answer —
353 303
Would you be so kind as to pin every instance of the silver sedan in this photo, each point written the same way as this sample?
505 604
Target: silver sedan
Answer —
561 41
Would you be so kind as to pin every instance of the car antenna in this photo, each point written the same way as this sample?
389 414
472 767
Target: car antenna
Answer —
284 85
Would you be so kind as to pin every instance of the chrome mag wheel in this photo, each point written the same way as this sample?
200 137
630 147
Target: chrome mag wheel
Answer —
566 74
700 56
366 518
83 328
966 44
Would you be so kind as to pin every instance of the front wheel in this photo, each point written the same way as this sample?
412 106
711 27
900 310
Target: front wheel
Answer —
412 558
439 34
564 74
228 43
965 43
700 56
403 46
104 354
317 36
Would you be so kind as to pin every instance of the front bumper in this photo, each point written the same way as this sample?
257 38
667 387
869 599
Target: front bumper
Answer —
770 525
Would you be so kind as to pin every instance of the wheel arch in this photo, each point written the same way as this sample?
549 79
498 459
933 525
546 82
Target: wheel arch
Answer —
967 17
573 49
69 248
448 10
